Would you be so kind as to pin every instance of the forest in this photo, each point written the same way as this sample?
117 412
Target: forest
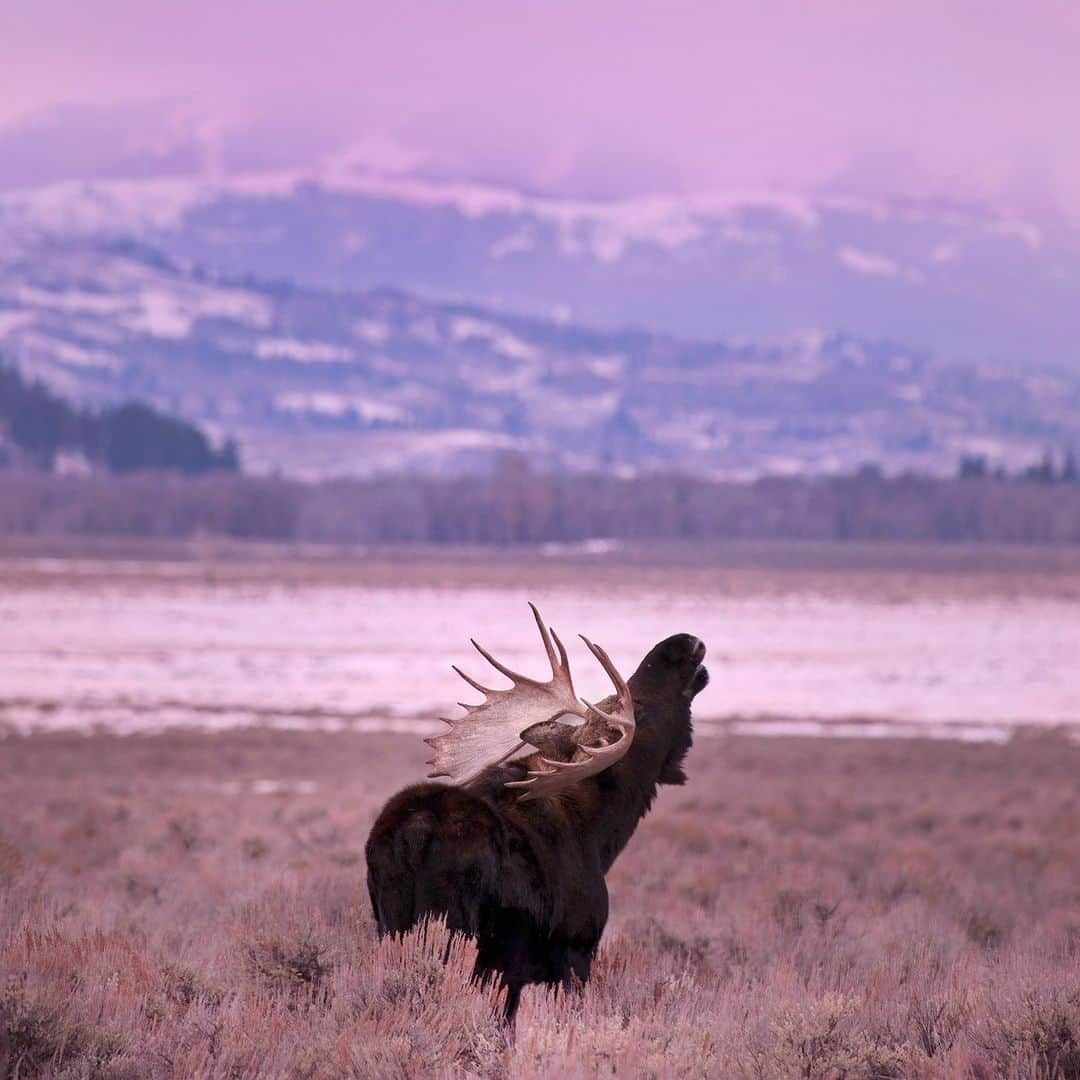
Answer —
130 470
40 430
517 505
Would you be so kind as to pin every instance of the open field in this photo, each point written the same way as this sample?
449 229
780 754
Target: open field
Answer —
195 739
187 904
873 639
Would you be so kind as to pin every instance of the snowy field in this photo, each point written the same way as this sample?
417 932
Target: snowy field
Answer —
133 646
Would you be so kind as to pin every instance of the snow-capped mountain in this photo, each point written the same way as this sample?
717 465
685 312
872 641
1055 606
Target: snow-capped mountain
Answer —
316 382
964 283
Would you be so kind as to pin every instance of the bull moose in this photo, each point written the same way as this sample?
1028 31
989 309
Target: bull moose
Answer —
544 790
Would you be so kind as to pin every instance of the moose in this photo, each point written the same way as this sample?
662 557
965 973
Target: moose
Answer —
544 791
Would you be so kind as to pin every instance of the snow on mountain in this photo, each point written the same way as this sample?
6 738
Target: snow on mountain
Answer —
962 282
317 382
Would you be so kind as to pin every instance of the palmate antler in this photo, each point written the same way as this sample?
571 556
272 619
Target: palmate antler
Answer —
528 713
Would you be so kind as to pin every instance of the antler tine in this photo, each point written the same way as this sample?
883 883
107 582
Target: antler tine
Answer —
545 637
529 713
621 689
605 661
560 666
513 676
549 777
564 660
471 681
492 731
562 673
555 776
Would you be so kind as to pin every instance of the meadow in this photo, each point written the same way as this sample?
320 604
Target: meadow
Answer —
969 642
185 904
195 740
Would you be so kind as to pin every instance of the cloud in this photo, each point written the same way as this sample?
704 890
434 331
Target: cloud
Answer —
69 141
591 98
376 153
97 142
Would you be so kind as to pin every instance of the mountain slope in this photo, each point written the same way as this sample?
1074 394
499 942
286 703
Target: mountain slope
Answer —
315 383
962 282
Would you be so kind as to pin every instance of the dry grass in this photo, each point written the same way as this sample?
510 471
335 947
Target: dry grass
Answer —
879 570
192 905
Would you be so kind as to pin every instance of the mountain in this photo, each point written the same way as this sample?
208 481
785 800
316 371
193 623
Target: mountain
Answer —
962 282
317 382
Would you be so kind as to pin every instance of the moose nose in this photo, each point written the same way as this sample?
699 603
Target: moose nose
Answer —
680 650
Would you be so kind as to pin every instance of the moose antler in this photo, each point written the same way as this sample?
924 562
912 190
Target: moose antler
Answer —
528 713
549 776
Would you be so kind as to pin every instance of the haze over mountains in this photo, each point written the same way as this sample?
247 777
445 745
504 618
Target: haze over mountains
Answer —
379 324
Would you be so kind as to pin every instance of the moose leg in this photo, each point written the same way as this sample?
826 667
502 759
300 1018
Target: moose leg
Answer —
581 936
578 966
509 946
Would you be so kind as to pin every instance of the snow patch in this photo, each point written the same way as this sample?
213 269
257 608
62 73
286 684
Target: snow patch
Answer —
1024 231
70 300
80 208
284 787
606 230
304 352
72 463
235 304
516 242
338 406
867 262
372 331
72 355
167 311
946 251
853 351
10 321
171 313
606 367
501 340
597 546
801 653
162 315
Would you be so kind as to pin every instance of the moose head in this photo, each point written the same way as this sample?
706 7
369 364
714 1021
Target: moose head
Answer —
565 738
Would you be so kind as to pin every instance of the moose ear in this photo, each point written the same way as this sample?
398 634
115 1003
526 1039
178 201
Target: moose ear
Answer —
672 773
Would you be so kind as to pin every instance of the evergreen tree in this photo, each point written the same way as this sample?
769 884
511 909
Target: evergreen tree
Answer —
37 424
1070 472
972 466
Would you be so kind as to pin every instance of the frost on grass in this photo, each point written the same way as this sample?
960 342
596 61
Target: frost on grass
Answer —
822 909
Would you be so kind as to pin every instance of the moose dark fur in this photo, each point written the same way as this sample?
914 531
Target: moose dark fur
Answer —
526 878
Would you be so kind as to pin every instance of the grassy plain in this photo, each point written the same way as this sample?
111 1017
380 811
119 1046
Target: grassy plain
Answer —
185 904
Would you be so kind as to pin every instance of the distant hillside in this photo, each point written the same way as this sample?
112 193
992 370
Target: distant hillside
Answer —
962 282
42 430
317 383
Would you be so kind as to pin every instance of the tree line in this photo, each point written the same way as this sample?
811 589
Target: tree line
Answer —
38 428
515 505
1051 468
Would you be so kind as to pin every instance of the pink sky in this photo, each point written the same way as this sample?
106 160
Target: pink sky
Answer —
613 97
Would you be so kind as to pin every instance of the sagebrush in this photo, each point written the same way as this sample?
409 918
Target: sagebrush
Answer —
193 905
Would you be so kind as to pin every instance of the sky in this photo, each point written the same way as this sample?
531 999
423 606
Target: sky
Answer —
587 99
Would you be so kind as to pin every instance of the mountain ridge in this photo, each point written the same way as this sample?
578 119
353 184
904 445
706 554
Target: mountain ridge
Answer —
315 382
964 282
